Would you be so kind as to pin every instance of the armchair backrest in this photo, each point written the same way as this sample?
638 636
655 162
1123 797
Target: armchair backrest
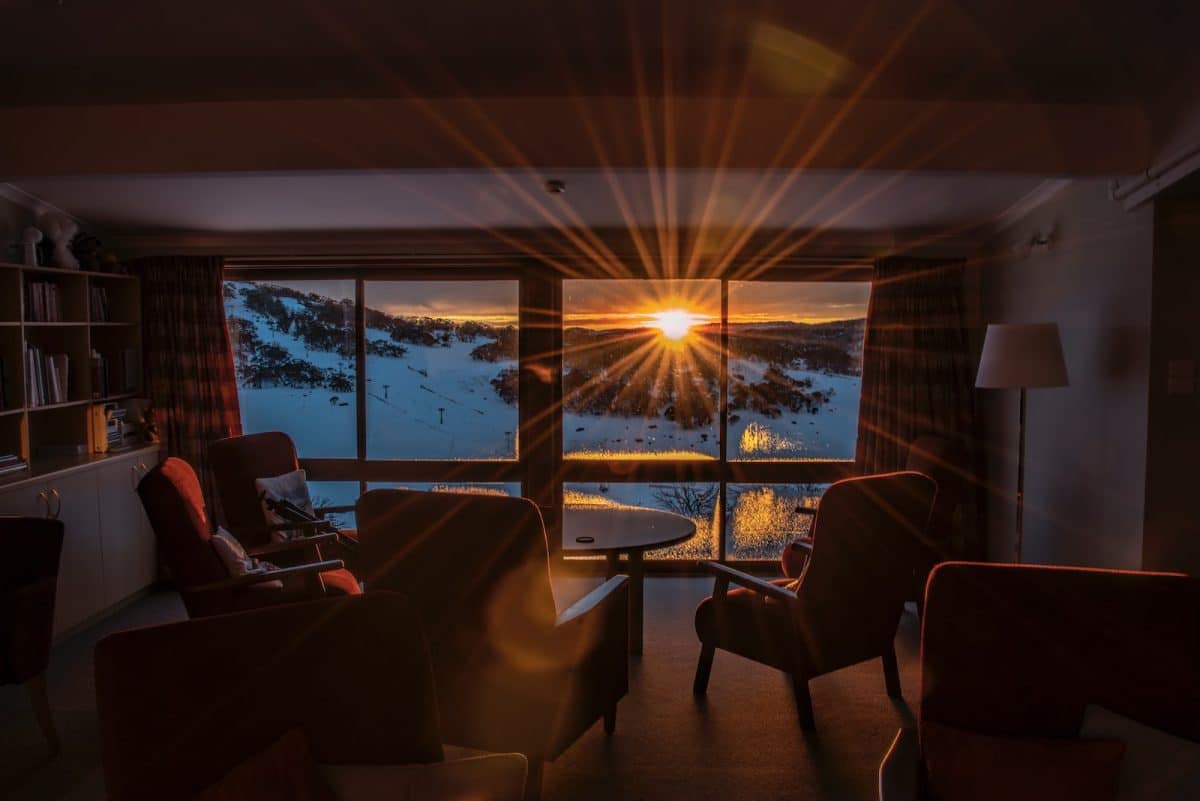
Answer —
1022 650
237 462
30 549
945 461
866 540
475 566
181 704
174 504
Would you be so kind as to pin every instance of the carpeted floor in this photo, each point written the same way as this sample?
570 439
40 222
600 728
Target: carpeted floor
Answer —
741 742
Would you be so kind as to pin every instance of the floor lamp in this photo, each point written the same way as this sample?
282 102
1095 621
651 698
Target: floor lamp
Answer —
1021 356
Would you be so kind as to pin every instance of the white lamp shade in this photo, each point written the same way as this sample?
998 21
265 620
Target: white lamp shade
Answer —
1021 355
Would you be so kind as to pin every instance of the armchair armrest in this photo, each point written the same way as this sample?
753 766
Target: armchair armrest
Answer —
300 525
323 510
900 770
291 545
597 622
753 583
270 575
606 593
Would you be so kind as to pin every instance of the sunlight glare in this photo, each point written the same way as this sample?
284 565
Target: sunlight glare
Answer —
675 323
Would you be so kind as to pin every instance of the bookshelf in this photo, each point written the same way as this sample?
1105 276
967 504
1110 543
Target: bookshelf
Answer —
71 314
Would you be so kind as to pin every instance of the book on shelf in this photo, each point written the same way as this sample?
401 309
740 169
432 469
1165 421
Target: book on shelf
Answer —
47 377
115 375
11 463
43 302
98 302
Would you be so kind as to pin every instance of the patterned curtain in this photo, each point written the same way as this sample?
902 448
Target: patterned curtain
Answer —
189 363
918 376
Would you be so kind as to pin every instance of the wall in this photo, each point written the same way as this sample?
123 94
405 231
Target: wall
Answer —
1086 444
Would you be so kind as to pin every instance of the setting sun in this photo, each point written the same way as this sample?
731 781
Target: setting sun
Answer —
675 323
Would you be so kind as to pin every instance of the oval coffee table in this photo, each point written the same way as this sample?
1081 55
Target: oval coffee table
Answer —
615 531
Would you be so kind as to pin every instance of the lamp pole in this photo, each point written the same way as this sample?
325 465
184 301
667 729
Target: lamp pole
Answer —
1021 477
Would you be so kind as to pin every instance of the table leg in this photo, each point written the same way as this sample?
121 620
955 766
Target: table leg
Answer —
637 579
613 564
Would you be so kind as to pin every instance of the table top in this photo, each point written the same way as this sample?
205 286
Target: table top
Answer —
622 530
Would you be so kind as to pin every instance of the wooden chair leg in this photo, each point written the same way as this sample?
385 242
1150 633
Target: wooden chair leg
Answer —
804 707
610 718
703 669
533 779
891 672
40 700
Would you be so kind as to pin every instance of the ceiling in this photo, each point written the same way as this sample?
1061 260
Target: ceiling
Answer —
147 51
388 201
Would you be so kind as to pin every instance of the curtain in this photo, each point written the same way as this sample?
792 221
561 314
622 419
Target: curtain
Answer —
918 377
188 360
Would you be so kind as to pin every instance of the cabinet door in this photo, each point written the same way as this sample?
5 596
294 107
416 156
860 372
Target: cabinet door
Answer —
29 500
81 571
129 560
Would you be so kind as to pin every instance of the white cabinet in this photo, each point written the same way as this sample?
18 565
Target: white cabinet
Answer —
126 539
74 499
108 547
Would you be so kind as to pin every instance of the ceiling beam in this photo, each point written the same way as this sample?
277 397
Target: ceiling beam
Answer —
417 133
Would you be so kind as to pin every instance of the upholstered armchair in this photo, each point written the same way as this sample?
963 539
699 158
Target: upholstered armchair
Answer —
30 548
1015 652
945 461
845 606
237 462
182 706
174 504
513 673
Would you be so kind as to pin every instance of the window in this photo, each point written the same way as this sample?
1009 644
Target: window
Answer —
733 403
293 351
643 366
763 518
641 369
795 368
441 367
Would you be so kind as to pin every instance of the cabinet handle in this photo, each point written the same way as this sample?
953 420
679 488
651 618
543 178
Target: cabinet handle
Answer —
44 497
58 504
143 468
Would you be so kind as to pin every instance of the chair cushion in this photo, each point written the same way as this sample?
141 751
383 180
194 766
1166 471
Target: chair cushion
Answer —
1157 766
284 771
966 766
291 487
340 582
237 561
494 777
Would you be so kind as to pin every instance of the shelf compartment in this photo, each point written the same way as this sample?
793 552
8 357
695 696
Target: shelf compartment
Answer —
113 300
71 287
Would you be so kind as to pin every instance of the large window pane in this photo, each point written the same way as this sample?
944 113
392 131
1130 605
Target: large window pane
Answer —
641 369
441 369
692 500
763 518
293 348
795 368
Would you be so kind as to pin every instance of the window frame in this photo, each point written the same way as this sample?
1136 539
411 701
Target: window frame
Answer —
540 466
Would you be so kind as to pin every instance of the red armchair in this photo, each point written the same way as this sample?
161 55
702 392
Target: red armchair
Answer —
30 548
1021 651
174 503
237 462
182 705
845 606
513 674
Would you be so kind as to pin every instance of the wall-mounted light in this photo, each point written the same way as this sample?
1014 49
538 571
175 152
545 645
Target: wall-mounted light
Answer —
555 186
